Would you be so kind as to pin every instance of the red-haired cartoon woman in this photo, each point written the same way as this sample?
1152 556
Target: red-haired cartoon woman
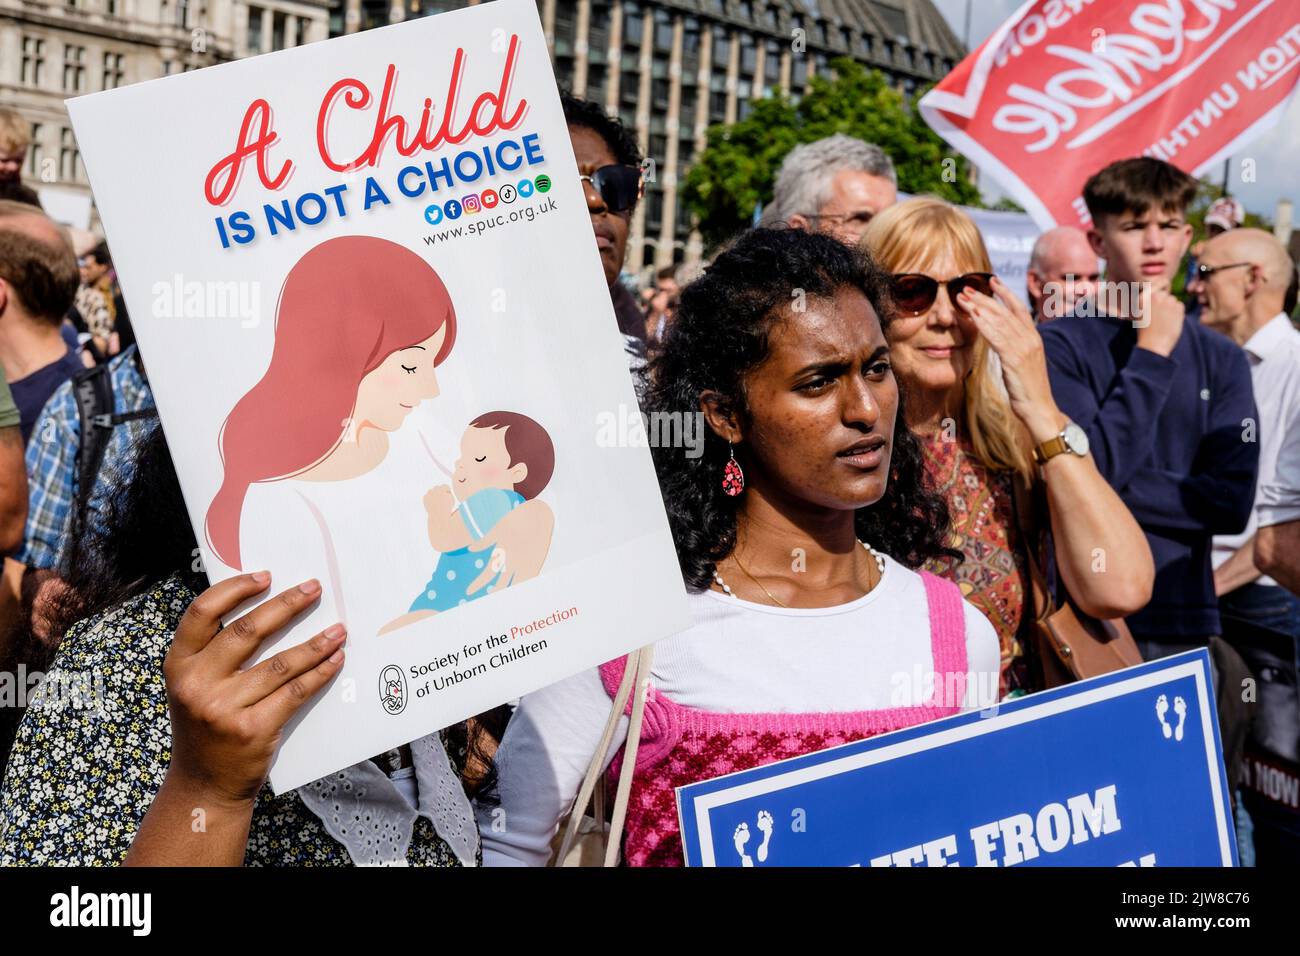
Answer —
309 487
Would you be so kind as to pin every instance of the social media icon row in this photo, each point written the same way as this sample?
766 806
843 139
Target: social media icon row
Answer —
488 199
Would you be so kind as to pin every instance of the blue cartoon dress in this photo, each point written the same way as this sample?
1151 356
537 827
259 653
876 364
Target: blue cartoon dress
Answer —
456 570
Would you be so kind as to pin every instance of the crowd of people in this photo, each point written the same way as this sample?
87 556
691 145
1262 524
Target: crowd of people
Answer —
905 468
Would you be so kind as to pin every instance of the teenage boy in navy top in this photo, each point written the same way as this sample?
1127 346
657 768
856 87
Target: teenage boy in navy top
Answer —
1166 403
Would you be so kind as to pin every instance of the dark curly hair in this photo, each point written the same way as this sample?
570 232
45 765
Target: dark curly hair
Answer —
720 333
620 140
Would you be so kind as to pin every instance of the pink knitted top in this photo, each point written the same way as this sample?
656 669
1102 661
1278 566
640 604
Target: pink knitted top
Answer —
682 745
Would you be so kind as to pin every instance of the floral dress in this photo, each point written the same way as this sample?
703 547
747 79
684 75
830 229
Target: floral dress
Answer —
92 751
993 575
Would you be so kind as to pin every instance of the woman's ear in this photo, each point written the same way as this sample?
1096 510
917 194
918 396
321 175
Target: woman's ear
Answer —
720 416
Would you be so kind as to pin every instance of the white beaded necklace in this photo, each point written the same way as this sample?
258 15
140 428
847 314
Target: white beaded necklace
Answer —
726 589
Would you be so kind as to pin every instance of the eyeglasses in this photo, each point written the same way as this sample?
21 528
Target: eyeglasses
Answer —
860 218
915 293
619 186
1203 271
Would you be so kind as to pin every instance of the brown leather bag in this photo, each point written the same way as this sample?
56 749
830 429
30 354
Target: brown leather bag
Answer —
1070 645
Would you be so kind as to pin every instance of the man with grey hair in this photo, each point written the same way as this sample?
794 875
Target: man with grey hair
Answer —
834 185
1063 270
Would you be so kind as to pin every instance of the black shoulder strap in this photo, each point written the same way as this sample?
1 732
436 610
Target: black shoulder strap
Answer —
93 390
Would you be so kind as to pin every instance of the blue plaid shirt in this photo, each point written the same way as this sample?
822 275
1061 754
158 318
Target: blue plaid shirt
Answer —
52 461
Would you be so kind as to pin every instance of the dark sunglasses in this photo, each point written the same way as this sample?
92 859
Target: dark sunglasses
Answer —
619 186
914 293
1203 271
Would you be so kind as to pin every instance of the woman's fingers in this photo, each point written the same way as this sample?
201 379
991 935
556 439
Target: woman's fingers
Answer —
202 619
282 703
237 642
1012 301
258 683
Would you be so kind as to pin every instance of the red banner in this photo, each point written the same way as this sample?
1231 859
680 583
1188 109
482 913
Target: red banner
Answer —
1065 87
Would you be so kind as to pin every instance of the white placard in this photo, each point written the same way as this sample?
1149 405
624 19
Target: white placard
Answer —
287 231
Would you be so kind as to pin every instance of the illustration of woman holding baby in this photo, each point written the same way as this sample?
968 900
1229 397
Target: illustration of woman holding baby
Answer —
309 487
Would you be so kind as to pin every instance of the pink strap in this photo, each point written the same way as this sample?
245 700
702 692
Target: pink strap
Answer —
947 641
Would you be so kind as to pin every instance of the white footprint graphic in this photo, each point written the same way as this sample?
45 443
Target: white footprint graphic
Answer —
765 828
1162 708
1180 708
742 838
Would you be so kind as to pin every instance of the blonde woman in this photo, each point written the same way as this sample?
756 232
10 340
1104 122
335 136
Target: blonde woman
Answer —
972 367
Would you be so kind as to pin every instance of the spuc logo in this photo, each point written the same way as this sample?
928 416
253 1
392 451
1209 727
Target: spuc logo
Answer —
392 689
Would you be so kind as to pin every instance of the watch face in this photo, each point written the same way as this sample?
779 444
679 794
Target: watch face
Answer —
1076 439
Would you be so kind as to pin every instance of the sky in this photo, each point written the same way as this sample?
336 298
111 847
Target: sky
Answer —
1278 171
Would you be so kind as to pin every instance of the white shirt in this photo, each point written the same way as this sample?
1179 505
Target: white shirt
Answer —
1274 356
737 657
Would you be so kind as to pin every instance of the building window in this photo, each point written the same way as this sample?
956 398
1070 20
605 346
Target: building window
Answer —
112 8
663 30
686 112
654 212
69 158
183 13
596 84
564 72
746 10
33 61
772 63
113 72
748 55
633 25
566 27
36 156
721 48
254 29
74 70
277 30
659 94
772 18
690 40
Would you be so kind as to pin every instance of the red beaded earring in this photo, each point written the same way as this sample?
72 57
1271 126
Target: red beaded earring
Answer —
733 479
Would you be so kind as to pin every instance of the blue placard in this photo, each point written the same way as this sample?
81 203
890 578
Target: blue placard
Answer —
1125 769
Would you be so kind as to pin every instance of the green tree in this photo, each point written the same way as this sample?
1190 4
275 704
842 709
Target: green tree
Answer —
737 169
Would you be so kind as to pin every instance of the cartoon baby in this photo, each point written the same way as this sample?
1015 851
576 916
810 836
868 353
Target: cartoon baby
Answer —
506 459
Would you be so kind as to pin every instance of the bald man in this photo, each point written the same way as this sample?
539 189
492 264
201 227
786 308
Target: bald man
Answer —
1241 282
1063 269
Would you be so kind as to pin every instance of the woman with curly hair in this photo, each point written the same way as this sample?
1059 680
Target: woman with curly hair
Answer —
798 529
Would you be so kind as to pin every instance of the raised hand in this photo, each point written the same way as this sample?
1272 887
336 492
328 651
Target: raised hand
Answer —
226 721
1006 323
